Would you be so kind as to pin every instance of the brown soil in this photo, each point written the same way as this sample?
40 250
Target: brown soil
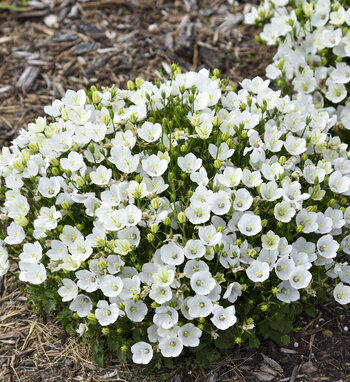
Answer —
67 44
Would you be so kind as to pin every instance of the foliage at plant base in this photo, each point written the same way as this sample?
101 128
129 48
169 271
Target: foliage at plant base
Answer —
313 56
177 215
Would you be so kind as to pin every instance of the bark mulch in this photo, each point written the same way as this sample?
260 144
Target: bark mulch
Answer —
68 44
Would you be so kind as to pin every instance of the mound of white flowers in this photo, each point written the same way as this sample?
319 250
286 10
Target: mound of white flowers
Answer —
173 210
313 53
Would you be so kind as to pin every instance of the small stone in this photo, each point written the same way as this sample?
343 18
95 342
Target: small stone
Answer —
153 28
308 368
51 21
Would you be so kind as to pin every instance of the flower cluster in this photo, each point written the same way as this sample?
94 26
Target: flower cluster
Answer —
169 207
313 53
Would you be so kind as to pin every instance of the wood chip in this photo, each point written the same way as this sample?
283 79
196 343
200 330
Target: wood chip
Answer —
28 78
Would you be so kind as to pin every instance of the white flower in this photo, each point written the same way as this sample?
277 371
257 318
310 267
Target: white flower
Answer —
220 203
221 153
82 305
142 352
49 187
341 294
202 282
32 273
101 176
251 178
189 335
172 254
150 132
208 235
164 276
111 286
15 234
170 346
284 267
295 146
73 162
299 277
106 314
231 177
270 240
199 306
135 311
249 224
258 271
165 317
233 291
189 163
287 293
308 220
87 280
124 160
223 318
194 249
69 290
160 294
327 247
154 166
243 200
32 252
284 212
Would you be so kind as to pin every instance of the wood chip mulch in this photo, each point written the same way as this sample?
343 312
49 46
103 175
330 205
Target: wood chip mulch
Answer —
68 44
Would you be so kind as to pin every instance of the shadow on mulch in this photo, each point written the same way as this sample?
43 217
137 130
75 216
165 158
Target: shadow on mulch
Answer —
69 45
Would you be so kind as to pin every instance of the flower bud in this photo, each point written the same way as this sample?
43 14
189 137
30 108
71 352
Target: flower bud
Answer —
130 85
279 224
331 202
21 221
264 223
133 118
80 181
105 331
106 119
100 242
64 113
181 217
54 162
55 171
238 242
150 237
238 340
283 160
217 163
183 148
304 157
155 203
167 221
154 228
75 315
216 121
300 228
65 205
244 134
18 166
91 317
33 148
264 307
138 82
343 201
124 348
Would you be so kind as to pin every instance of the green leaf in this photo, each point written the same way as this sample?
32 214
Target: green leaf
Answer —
285 339
213 355
97 351
310 311
9 7
254 341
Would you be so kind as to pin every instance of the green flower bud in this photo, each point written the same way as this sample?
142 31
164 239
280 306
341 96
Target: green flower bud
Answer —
304 157
154 228
181 217
220 229
33 148
91 317
300 228
55 171
133 118
331 202
279 224
80 181
138 82
264 223
283 160
106 119
343 201
183 148
264 307
238 340
280 83
150 237
343 209
21 221
155 203
224 136
120 330
64 113
75 315
238 242
18 166
124 348
105 331
275 290
167 221
121 306
201 320
244 134
130 85
216 121
217 163
65 205
54 162
189 193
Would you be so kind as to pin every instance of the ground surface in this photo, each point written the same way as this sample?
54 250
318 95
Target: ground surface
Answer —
62 44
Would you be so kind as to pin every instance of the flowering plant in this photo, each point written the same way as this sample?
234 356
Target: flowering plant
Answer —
313 56
173 214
